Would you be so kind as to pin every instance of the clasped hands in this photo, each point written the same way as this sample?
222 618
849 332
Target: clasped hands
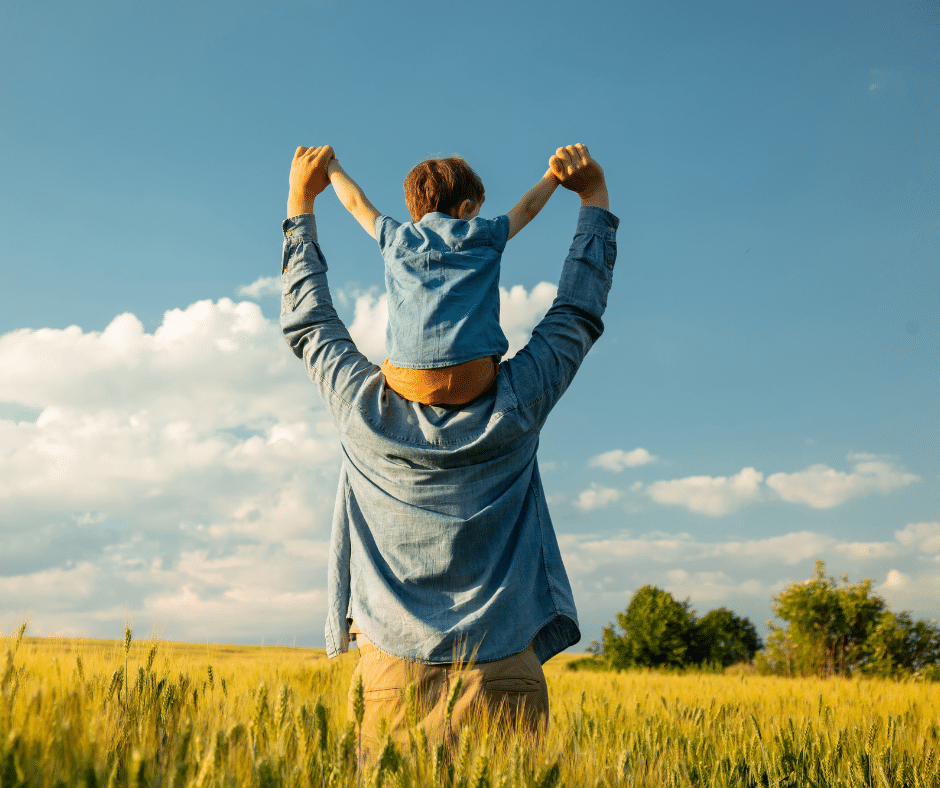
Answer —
571 165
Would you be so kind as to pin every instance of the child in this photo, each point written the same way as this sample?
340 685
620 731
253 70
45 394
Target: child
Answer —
444 341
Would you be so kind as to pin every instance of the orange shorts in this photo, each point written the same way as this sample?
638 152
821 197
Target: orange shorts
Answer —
454 385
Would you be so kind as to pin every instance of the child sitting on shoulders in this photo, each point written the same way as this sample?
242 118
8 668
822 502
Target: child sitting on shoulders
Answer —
444 340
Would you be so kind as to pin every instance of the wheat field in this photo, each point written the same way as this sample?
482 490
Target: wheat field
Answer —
219 715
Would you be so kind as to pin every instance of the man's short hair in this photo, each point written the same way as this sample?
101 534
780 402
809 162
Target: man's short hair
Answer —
441 185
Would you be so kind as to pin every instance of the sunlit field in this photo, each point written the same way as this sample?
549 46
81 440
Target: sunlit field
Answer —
217 715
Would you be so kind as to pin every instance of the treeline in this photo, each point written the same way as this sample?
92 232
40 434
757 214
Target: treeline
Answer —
828 629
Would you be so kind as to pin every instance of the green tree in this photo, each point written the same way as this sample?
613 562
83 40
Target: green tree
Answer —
827 626
900 646
722 638
657 632
832 629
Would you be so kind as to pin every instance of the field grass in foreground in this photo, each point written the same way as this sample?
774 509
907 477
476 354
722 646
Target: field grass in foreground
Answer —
215 715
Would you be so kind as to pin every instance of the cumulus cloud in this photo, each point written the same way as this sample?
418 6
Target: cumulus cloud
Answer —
156 458
596 498
867 550
262 286
791 548
714 495
912 590
926 536
896 580
618 459
521 310
370 319
823 487
712 586
818 486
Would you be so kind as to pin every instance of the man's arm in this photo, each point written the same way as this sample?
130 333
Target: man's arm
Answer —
531 203
353 197
310 324
542 371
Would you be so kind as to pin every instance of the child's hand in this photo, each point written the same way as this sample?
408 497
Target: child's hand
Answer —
576 170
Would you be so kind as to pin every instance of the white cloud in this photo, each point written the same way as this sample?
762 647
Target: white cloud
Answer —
370 319
520 311
262 286
45 587
867 550
896 580
926 536
916 591
791 548
823 487
618 459
710 587
818 486
596 498
156 460
714 495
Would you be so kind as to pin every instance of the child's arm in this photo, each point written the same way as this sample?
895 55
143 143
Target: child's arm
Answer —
353 198
531 203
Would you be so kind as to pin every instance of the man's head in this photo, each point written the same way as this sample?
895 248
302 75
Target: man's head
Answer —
443 185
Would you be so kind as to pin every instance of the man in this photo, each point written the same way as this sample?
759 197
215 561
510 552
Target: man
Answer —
442 544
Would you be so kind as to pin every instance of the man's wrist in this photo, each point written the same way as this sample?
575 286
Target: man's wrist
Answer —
298 204
597 197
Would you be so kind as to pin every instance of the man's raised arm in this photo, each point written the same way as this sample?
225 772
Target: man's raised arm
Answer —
310 324
542 371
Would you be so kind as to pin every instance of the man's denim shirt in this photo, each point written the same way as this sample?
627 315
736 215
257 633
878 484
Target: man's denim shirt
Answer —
441 532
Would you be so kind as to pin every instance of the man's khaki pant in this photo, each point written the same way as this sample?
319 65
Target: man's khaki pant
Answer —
512 692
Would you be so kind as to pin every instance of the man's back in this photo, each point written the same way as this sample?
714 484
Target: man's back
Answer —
441 530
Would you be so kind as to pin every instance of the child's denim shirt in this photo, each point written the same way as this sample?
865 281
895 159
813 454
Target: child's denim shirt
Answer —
442 276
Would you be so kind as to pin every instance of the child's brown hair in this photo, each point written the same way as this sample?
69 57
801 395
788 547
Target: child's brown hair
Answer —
441 185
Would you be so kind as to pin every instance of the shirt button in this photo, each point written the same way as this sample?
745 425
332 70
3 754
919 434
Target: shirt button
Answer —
288 233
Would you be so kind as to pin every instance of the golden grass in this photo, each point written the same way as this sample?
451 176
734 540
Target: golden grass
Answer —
219 715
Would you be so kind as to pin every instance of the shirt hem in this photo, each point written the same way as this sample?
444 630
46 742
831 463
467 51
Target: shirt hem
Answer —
558 632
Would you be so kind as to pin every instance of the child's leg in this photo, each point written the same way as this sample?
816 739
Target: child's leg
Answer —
454 385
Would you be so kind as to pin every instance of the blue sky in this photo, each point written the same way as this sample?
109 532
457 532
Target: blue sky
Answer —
767 391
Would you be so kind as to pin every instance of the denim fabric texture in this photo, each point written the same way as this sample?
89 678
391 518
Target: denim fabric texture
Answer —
441 535
442 277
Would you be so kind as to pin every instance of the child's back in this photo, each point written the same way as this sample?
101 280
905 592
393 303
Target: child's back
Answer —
442 276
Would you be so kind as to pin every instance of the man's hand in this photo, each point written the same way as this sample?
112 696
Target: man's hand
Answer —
308 177
576 170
